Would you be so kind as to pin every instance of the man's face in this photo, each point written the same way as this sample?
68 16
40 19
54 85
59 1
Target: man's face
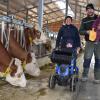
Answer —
68 21
90 12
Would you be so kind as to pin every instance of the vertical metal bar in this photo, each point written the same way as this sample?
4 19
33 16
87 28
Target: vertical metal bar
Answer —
8 10
66 13
8 7
2 30
21 35
40 14
27 11
76 3
80 12
47 27
26 15
9 30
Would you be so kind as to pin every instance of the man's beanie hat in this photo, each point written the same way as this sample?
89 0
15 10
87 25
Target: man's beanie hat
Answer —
90 5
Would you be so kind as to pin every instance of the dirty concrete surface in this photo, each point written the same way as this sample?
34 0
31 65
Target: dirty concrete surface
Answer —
37 88
89 91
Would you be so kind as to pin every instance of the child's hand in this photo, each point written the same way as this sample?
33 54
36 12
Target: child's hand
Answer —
69 45
56 48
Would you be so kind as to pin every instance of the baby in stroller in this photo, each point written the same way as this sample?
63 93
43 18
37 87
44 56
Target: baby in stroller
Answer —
65 55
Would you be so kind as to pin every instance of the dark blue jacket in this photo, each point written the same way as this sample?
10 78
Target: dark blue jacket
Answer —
68 34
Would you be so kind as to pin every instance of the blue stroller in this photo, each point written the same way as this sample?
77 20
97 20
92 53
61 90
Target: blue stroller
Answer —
66 71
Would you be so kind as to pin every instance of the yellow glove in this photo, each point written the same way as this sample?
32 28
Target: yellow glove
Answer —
92 35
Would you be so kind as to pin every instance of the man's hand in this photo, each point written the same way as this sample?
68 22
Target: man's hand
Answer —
88 31
78 50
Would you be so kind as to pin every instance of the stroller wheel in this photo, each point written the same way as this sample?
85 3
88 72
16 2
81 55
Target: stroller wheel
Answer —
52 82
73 82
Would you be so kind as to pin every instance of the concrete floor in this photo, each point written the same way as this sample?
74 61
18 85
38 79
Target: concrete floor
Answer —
89 91
37 89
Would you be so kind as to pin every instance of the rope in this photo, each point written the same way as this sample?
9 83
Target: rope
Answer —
30 39
24 64
8 70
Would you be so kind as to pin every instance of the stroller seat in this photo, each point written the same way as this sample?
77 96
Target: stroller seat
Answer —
62 56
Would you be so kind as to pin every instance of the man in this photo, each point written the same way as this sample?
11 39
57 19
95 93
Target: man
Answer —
68 36
91 47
